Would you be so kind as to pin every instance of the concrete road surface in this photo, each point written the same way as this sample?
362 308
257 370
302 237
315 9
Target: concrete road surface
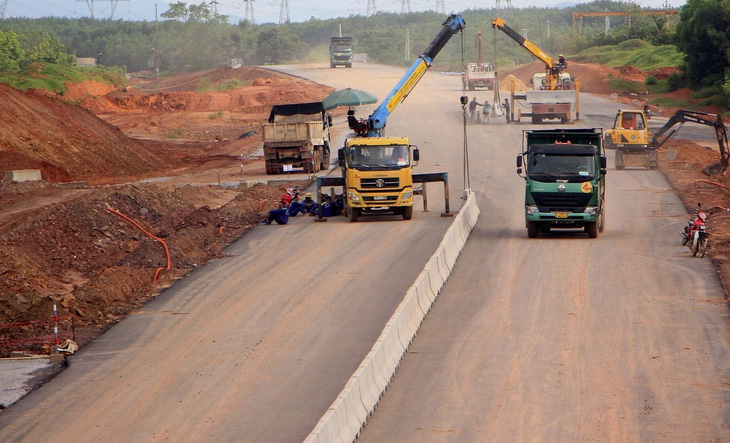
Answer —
565 338
256 346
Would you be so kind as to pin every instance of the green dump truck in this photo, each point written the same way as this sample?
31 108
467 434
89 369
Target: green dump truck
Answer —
341 52
565 180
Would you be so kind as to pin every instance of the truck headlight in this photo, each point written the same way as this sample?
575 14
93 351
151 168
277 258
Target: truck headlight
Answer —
353 197
532 210
591 210
407 195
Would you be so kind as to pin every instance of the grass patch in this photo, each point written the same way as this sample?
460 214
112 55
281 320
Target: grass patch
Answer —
215 115
669 102
639 53
53 77
660 87
625 86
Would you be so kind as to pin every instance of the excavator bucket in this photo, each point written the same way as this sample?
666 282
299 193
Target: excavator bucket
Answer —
714 169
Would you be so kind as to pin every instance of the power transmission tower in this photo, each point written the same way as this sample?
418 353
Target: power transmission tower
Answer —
90 3
2 8
372 9
215 6
249 17
405 6
441 6
507 7
284 12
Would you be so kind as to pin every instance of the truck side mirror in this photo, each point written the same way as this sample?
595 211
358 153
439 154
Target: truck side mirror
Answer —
341 157
519 161
603 162
329 119
416 154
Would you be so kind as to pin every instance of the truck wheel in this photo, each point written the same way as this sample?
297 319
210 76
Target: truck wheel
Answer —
407 213
325 162
592 229
532 229
354 214
620 160
332 65
349 66
602 220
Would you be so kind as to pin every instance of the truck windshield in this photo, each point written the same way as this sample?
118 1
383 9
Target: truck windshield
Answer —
342 48
550 168
379 157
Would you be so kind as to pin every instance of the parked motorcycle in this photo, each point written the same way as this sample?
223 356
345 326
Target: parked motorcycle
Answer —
647 111
695 234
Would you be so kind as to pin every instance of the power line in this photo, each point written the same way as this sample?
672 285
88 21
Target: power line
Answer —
90 3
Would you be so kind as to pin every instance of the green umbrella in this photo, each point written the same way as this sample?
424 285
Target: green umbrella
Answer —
348 97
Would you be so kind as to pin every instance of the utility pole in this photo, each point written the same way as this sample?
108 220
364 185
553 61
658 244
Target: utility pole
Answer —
408 44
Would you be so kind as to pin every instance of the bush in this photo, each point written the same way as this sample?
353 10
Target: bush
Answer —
651 81
677 81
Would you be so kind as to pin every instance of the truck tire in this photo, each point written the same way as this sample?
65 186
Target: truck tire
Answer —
354 214
532 229
407 213
332 65
592 229
620 160
324 163
349 65
602 220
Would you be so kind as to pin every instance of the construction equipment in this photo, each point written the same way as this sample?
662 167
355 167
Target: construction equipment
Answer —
565 180
376 170
297 136
479 75
554 93
630 138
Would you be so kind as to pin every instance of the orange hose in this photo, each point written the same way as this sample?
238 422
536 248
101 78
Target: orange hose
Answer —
220 230
157 273
713 183
261 205
158 239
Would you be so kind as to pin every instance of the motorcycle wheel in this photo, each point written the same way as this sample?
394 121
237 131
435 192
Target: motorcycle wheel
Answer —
685 239
695 244
703 247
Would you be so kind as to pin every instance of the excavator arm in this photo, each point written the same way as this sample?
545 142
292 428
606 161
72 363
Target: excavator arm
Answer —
376 122
681 117
552 70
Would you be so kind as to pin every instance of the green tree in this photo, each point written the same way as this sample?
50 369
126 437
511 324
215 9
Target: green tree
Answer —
278 45
703 34
10 52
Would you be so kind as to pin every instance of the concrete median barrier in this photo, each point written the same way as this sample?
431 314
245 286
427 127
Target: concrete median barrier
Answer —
349 412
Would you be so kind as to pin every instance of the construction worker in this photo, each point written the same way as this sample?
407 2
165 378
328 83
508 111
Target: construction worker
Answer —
473 115
486 108
279 215
506 109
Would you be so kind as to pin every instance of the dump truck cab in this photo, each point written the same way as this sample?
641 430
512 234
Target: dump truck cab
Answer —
377 174
564 172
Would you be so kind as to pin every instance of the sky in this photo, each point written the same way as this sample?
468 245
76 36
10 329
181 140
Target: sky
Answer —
265 11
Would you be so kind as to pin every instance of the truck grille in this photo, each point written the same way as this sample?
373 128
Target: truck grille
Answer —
372 183
561 201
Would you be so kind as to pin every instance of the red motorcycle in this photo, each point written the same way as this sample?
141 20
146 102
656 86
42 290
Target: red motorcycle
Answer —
695 234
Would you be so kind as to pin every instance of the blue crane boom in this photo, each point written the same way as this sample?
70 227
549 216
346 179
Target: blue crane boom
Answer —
376 122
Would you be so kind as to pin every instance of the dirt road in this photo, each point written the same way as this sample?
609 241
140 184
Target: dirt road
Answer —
564 338
255 346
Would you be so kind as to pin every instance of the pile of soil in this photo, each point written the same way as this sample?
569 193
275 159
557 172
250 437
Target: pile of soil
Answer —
66 241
